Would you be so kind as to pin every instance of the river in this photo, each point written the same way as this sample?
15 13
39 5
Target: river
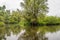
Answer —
13 32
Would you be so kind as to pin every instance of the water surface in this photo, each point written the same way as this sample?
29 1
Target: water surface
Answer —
13 32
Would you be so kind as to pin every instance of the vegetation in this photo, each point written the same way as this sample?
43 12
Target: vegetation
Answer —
31 18
34 13
49 20
33 9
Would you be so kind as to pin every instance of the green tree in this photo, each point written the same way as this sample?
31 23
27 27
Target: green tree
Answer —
2 12
15 17
7 16
33 9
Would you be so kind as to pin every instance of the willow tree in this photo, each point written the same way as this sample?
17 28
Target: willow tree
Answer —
34 9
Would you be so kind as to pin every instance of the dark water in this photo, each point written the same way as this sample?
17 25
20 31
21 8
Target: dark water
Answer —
13 32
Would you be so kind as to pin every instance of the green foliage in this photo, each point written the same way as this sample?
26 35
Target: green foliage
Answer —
33 9
34 13
21 23
49 20
1 18
28 16
2 24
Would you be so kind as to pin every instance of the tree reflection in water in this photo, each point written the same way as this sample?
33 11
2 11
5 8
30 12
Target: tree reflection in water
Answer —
37 33
6 30
31 33
36 36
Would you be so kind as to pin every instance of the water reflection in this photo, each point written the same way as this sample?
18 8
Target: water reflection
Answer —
15 32
6 30
53 36
13 36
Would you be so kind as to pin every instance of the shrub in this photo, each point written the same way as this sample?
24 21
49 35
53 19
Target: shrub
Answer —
2 24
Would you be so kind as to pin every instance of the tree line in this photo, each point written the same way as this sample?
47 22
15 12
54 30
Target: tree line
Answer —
34 13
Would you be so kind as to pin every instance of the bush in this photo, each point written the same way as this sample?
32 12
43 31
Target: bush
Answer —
2 24
49 20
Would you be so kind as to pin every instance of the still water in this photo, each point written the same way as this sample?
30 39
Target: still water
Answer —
13 32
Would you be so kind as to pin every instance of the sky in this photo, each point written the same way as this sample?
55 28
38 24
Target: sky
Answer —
11 4
54 7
